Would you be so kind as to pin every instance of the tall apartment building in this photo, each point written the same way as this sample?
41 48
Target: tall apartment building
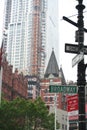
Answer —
38 37
25 22
17 37
7 18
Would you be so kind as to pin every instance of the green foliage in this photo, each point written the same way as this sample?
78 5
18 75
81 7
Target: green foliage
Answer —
21 114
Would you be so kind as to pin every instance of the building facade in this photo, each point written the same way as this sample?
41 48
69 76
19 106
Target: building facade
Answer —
33 86
13 84
38 37
25 35
7 18
61 117
17 38
53 76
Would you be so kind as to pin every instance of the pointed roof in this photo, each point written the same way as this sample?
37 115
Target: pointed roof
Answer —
62 76
52 68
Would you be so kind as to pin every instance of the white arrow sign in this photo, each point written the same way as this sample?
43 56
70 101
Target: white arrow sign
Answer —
77 59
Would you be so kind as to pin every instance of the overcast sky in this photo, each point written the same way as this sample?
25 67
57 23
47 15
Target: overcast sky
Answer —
67 35
60 32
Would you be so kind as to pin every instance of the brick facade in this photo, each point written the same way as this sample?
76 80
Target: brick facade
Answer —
13 84
48 97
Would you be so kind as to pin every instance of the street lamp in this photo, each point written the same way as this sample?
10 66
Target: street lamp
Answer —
81 81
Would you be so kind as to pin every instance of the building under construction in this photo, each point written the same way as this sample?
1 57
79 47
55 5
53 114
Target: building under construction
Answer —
38 37
26 37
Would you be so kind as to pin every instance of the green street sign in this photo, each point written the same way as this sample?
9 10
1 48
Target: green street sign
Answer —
62 89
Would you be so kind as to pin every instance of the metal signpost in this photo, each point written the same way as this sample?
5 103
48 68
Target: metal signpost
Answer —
81 82
61 89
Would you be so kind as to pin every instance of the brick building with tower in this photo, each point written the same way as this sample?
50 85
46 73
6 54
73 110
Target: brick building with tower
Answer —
53 75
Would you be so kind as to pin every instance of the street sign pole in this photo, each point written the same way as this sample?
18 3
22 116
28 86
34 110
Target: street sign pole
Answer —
81 82
55 100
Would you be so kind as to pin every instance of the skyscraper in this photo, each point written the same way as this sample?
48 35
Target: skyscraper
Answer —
17 39
38 37
6 20
26 36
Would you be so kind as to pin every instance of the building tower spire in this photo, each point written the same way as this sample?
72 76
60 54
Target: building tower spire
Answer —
52 67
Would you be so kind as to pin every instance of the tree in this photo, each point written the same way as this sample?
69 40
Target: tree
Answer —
21 114
13 115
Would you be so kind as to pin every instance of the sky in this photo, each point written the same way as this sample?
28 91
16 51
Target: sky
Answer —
59 32
65 33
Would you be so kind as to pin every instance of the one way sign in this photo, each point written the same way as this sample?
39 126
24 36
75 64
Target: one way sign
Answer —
77 59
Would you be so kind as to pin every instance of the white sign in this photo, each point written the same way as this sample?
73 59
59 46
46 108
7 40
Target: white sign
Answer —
77 59
72 113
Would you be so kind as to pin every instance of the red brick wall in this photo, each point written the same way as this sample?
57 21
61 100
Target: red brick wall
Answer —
44 93
13 84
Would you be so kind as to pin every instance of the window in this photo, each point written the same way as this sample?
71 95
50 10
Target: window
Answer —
51 98
46 99
62 126
46 90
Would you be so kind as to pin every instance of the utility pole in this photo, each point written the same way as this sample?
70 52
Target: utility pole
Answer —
79 49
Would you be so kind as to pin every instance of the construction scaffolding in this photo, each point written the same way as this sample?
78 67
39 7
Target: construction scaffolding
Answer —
38 37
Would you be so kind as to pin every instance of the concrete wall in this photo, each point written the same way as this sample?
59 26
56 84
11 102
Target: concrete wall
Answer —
61 117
